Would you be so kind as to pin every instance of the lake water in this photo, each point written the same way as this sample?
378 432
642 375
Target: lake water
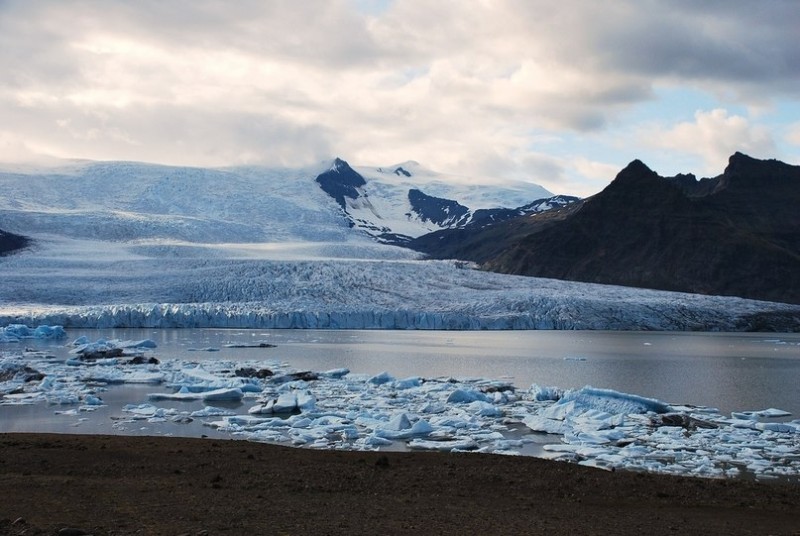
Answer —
731 372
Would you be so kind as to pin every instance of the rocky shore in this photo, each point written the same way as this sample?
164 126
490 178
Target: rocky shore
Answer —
115 485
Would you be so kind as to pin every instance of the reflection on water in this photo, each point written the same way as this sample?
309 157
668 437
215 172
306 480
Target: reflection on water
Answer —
726 371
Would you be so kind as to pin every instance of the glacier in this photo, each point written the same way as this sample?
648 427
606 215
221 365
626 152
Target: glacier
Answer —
121 244
337 409
340 294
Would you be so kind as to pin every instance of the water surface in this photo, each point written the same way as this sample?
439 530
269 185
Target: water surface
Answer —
728 371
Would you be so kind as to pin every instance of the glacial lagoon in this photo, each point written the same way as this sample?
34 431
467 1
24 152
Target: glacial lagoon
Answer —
727 371
446 390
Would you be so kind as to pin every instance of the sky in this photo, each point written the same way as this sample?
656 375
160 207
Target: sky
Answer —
563 94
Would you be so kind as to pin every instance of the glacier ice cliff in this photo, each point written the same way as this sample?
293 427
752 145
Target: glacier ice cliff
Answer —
343 294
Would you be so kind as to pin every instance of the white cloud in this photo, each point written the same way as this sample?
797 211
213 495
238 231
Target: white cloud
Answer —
465 90
793 134
714 136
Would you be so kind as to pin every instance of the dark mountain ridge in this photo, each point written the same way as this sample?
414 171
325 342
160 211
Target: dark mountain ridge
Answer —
736 234
10 242
341 181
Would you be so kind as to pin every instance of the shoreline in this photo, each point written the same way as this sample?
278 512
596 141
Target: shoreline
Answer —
157 485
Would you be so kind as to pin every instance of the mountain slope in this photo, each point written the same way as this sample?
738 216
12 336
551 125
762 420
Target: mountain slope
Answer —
328 203
10 242
398 203
737 234
126 201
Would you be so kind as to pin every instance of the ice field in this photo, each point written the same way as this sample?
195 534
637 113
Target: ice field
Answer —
335 409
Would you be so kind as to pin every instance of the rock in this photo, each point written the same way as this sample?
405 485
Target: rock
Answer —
92 355
250 372
71 531
306 376
141 360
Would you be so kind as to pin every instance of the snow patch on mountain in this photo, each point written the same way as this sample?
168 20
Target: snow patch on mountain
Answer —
403 201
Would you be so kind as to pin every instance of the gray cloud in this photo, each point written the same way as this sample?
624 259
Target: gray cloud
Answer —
214 82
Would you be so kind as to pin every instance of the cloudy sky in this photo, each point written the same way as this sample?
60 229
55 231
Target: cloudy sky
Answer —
559 93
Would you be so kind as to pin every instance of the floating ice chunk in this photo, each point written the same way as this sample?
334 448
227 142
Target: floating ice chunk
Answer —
484 409
288 401
538 423
421 427
336 374
399 422
303 422
144 343
17 332
785 428
92 400
541 393
108 348
305 400
380 379
600 437
21 399
433 407
198 374
608 400
377 441
223 394
211 411
400 427
216 394
407 383
143 410
80 341
260 409
460 396
444 446
143 377
766 413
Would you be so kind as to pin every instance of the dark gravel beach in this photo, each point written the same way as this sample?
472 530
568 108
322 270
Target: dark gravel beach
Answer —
87 484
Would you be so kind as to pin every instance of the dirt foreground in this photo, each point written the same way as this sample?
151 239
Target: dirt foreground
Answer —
103 485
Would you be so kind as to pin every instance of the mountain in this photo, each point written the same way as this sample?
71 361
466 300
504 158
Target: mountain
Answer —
396 204
328 203
121 244
10 242
737 234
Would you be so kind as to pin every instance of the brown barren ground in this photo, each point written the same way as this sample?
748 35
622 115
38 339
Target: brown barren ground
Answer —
101 485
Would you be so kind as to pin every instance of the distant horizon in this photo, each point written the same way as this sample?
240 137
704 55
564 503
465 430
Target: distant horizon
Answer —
55 162
562 96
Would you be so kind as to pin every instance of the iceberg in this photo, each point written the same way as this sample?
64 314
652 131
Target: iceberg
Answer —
607 400
215 394
450 445
18 332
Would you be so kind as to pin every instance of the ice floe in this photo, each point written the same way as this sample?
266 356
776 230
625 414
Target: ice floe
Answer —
269 401
18 332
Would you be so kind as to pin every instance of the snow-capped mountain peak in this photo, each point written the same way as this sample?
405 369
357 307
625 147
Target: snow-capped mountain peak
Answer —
403 201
